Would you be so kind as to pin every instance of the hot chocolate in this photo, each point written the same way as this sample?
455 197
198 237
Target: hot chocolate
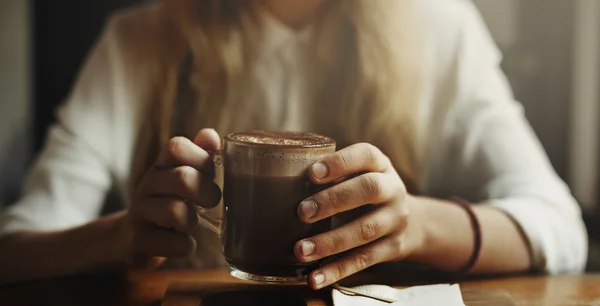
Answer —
266 178
262 225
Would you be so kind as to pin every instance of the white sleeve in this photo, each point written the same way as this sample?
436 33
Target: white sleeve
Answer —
69 180
488 153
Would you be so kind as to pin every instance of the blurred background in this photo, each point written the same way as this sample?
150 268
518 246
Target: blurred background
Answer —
552 58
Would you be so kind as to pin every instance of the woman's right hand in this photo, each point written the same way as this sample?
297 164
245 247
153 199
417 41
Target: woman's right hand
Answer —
163 217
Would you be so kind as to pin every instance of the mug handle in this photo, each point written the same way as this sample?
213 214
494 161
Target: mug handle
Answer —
213 218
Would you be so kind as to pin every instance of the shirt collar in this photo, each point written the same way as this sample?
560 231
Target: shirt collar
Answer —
275 35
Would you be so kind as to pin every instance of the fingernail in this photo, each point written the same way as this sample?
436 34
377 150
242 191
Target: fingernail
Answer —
308 209
307 247
319 170
318 278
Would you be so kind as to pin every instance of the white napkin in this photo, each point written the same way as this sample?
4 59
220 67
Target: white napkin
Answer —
443 294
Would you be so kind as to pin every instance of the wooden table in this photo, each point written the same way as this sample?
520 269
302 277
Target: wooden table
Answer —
148 288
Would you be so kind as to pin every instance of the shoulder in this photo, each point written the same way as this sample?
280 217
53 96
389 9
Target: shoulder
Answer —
115 85
464 83
459 54
128 59
447 15
124 56
137 22
451 28
135 33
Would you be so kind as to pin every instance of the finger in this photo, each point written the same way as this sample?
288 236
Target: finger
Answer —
368 228
362 157
357 260
155 241
183 182
208 139
369 188
180 151
171 213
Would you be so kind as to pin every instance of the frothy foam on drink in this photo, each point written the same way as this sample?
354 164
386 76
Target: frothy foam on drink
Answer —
282 138
274 153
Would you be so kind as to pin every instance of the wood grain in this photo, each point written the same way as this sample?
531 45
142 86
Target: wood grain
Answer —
190 293
149 288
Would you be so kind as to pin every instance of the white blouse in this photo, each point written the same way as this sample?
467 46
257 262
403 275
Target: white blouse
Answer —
480 146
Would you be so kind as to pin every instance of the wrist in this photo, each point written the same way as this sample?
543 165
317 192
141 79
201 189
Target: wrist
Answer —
444 234
419 229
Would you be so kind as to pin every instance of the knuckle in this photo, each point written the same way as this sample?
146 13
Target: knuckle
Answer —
385 162
340 270
374 155
402 220
333 199
368 149
368 231
370 152
339 196
373 186
362 260
325 245
397 243
175 146
184 174
173 215
399 216
342 161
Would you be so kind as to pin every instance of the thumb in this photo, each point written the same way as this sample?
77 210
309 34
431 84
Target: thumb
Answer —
208 139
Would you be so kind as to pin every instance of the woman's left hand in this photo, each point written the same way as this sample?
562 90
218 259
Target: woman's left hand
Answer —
386 233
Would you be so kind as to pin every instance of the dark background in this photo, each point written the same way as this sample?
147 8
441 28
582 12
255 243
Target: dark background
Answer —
63 32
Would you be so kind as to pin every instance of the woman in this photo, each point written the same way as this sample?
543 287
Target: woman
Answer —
411 90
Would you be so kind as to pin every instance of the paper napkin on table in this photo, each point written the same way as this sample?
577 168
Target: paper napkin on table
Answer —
442 294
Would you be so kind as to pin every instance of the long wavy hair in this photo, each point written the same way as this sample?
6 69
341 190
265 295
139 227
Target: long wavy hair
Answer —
367 83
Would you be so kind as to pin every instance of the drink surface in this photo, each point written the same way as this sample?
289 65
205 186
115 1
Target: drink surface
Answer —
281 139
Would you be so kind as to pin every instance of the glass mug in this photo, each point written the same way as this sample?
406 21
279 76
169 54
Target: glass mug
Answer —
265 177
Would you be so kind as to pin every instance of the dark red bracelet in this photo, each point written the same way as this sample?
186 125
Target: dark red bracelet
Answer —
476 235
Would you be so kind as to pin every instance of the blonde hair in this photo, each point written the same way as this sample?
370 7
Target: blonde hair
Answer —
369 83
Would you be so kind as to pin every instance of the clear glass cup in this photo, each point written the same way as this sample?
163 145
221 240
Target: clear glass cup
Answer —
264 178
